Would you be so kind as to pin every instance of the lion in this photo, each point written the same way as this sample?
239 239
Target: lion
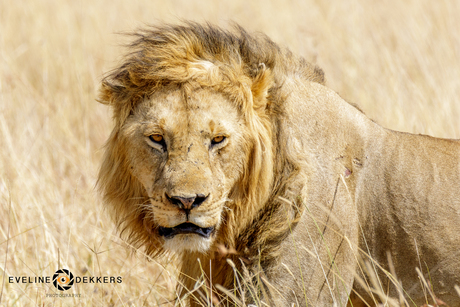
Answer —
230 152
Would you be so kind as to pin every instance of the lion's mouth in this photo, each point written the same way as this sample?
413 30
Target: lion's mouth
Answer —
185 228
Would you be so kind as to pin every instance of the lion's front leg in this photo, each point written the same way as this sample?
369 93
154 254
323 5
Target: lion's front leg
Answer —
316 266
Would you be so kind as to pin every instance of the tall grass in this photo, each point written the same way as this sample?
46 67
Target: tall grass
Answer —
398 60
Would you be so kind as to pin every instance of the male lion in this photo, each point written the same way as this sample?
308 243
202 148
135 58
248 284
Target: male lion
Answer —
226 146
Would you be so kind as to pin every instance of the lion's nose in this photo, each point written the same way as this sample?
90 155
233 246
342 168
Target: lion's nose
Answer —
187 203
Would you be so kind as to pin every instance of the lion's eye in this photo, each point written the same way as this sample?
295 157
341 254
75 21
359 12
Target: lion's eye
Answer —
157 138
218 139
157 141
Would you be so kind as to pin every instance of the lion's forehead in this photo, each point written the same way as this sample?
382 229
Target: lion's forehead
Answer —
200 112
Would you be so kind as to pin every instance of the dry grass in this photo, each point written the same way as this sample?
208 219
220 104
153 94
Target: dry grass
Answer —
398 60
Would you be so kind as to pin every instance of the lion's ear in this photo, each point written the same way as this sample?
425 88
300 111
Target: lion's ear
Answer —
110 91
262 82
105 95
114 94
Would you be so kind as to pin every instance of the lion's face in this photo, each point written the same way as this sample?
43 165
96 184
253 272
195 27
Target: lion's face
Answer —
188 151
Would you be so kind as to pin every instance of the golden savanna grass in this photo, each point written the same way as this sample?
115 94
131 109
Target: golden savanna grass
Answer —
398 60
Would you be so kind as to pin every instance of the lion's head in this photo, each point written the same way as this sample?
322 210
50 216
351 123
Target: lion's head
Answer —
190 160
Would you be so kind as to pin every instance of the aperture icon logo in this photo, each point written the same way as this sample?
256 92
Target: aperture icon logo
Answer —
63 279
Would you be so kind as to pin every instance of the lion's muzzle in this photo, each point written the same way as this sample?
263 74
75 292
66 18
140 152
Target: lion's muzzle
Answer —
185 228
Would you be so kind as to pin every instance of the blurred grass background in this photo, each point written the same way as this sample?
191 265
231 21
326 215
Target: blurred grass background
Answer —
398 60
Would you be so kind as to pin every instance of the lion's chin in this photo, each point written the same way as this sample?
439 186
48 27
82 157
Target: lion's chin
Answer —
188 242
